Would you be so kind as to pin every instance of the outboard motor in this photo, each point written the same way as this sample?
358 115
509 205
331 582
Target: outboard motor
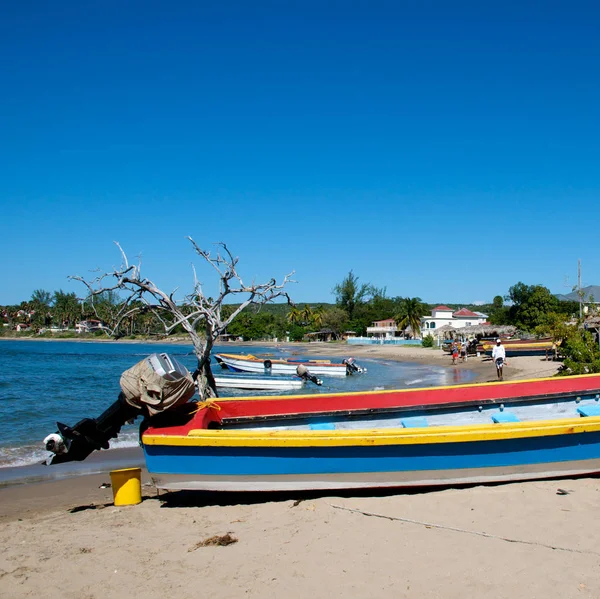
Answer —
352 367
153 385
75 443
303 373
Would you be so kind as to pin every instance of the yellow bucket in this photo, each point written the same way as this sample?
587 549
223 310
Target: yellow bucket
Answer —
127 486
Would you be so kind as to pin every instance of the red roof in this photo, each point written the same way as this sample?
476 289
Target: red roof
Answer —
465 312
443 308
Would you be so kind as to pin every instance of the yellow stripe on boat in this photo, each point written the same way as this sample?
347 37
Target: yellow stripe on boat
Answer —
362 437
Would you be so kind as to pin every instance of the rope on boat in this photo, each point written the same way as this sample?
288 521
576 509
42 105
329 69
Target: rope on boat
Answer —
201 405
463 530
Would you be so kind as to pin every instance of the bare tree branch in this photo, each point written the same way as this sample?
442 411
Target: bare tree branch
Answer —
199 316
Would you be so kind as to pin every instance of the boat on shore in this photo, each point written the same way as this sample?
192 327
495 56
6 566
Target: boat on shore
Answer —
474 433
521 347
272 365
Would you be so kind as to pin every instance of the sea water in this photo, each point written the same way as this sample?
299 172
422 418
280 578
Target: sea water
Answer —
45 382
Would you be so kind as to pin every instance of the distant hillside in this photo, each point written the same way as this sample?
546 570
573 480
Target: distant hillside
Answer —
282 308
590 290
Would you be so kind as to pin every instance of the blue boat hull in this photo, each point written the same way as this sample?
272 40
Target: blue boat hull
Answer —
301 468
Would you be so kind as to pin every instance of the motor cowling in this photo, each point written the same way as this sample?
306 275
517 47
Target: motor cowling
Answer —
154 385
352 367
304 373
157 383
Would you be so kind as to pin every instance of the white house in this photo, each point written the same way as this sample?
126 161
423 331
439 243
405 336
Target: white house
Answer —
89 326
442 315
384 329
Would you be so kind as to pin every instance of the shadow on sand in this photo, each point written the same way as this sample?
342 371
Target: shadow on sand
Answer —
177 499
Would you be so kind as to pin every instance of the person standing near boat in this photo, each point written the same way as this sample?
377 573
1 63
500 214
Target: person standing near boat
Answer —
499 357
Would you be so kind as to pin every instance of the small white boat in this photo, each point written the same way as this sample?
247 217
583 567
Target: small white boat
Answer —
258 382
270 365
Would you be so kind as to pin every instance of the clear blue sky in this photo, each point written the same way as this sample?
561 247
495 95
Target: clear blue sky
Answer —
445 150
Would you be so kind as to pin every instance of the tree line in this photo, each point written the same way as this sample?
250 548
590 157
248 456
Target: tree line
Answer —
531 308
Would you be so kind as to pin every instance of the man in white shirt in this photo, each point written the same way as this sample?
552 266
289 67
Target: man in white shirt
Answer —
499 357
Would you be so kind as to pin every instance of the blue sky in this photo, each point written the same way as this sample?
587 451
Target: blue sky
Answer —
441 150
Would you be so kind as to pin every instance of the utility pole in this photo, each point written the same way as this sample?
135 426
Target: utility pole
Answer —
579 288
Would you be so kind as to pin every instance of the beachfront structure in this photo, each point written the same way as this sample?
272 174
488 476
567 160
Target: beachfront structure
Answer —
443 316
384 329
90 326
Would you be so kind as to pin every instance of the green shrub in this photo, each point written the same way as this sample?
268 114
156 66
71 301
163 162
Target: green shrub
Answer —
427 341
67 335
581 353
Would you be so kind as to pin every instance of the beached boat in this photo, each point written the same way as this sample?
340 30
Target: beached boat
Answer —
473 433
272 365
259 382
521 347
383 439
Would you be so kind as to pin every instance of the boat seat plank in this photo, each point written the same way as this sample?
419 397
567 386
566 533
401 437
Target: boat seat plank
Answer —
416 422
501 417
589 410
322 426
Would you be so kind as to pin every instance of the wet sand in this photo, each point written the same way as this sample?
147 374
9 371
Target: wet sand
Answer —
64 538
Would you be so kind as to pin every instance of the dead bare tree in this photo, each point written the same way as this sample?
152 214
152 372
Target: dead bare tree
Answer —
196 313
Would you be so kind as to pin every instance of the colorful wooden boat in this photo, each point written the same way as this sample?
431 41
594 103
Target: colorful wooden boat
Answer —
479 433
271 365
521 347
474 433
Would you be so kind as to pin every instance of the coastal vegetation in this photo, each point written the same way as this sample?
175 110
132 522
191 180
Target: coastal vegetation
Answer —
531 308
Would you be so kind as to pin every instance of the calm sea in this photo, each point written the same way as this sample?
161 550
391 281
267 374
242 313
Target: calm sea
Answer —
42 382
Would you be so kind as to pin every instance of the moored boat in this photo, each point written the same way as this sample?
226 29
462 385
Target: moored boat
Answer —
272 365
258 382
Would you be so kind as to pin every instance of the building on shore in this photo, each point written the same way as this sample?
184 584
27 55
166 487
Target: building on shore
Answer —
443 316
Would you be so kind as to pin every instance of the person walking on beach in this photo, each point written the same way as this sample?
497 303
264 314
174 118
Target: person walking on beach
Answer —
499 357
463 350
454 352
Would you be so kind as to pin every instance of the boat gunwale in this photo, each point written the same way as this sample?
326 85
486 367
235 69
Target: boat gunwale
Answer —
509 401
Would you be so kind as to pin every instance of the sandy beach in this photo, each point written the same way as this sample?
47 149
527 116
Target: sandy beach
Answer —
66 539
518 367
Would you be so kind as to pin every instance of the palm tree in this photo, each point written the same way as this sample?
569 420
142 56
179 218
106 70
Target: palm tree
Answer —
307 314
411 310
41 297
349 294
317 317
66 309
294 315
40 307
